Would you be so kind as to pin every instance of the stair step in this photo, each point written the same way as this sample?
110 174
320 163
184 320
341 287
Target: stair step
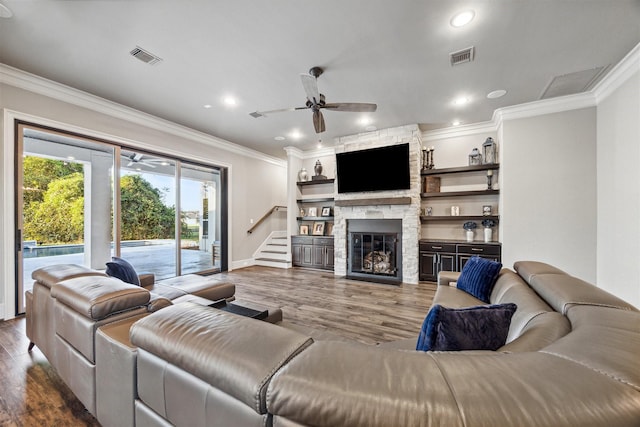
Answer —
273 252
272 260
276 244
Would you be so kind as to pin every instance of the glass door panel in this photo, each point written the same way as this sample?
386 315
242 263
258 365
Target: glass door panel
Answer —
199 219
148 213
64 203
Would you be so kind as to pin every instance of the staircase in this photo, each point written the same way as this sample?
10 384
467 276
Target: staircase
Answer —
273 252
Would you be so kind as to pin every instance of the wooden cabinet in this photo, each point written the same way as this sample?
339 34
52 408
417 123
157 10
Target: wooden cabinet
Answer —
312 252
437 256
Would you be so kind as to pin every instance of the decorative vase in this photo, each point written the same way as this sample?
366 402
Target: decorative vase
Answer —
469 235
488 234
318 168
303 175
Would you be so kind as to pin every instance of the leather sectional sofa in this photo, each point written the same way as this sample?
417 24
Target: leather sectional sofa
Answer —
571 359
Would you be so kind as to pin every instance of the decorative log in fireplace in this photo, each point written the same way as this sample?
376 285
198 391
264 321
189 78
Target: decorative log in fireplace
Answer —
375 250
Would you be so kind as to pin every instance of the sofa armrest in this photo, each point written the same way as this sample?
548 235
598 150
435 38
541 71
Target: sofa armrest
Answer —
147 279
446 278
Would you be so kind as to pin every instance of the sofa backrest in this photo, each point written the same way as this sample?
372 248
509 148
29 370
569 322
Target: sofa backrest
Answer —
534 324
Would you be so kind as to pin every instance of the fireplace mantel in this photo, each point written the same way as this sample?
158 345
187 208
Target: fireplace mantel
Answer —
374 202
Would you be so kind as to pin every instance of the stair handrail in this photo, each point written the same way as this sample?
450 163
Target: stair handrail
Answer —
265 216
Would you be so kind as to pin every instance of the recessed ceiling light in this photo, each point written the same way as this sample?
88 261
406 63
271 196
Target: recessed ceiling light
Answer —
279 138
456 122
229 101
463 18
462 100
496 94
364 121
165 163
295 134
207 105
5 12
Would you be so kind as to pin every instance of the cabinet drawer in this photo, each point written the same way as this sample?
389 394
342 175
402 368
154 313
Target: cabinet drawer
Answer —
479 249
301 240
437 247
326 241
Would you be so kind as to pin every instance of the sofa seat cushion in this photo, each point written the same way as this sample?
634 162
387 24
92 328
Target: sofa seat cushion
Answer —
52 274
205 342
97 297
472 328
206 287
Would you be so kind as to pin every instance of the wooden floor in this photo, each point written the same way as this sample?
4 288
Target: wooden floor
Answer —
32 394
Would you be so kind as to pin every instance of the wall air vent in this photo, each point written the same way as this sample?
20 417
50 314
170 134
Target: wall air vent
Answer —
462 56
145 56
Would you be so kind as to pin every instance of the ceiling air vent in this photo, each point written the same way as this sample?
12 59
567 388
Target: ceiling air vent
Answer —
145 56
462 56
569 84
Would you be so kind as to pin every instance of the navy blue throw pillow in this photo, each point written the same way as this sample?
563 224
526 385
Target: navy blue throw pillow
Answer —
484 327
124 271
478 277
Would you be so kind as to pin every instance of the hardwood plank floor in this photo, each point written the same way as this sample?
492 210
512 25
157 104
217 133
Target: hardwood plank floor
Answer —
32 394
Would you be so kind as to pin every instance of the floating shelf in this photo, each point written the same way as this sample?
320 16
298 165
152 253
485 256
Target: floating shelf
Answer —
316 200
460 193
459 218
317 181
373 202
460 169
314 218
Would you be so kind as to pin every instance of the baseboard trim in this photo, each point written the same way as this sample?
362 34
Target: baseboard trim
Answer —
242 263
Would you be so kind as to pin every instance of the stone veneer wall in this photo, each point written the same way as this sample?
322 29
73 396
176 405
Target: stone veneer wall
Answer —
409 214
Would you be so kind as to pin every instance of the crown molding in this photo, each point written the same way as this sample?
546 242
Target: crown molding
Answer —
544 106
618 75
36 84
458 131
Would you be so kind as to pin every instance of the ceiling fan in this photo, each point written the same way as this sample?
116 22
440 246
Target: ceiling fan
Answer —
138 159
316 102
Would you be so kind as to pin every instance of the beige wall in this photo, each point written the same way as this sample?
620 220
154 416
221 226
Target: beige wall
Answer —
618 167
257 182
548 191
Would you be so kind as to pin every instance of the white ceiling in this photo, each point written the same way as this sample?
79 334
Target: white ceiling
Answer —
392 53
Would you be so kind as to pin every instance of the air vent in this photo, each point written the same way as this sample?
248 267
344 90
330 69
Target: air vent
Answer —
145 56
462 56
569 84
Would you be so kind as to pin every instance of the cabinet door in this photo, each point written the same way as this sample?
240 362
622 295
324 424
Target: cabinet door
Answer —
428 266
328 260
307 255
318 256
447 262
296 255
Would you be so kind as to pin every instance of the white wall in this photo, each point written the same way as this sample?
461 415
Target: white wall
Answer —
548 191
257 182
618 166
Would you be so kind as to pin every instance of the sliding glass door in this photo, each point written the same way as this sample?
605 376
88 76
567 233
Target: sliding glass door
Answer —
164 215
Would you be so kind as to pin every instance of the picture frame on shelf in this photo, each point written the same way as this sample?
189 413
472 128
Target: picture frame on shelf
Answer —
486 210
329 229
318 228
304 230
312 211
326 211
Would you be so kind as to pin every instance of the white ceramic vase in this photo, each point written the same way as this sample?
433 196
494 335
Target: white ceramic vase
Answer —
303 175
488 234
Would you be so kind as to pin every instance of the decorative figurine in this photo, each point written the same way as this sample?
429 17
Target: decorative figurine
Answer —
318 170
489 179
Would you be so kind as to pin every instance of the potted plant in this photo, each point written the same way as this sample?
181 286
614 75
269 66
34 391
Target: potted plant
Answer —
488 224
470 226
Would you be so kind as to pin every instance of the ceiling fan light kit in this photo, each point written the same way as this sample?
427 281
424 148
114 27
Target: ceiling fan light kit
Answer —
316 102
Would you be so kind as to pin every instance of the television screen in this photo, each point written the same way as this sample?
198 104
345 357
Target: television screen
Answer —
376 169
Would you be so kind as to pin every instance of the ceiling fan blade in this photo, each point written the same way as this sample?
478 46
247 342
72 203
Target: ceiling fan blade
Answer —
257 114
355 107
310 85
318 121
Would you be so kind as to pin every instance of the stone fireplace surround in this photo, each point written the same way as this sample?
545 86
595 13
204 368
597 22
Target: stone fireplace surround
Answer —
402 204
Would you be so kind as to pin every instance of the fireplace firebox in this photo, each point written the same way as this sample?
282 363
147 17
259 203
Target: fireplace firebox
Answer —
375 250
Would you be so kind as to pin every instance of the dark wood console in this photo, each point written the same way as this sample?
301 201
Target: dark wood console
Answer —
451 255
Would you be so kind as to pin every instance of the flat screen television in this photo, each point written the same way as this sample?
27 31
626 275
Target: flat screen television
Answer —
375 169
